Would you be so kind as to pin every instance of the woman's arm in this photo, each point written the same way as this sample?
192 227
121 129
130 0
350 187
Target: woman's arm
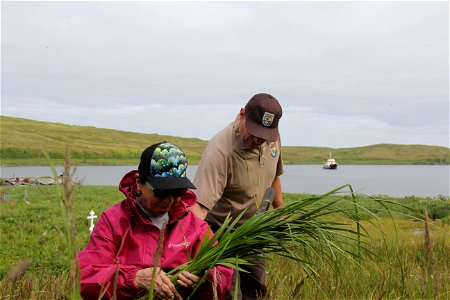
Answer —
101 272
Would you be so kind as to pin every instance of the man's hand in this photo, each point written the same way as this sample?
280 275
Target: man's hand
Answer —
164 288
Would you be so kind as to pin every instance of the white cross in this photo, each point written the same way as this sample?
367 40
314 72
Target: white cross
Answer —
91 217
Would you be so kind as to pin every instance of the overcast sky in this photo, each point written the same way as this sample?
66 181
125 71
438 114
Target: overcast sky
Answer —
347 74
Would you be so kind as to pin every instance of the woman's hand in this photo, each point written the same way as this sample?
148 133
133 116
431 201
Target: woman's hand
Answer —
188 280
164 288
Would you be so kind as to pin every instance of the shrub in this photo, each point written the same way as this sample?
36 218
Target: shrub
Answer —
438 210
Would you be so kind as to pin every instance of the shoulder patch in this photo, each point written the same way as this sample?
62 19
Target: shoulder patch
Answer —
273 150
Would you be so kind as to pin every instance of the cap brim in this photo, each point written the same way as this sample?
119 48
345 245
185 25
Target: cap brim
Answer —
269 134
170 183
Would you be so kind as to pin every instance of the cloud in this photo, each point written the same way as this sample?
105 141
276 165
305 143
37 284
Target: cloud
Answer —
346 73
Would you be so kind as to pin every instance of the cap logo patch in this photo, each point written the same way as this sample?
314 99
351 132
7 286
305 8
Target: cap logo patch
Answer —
267 119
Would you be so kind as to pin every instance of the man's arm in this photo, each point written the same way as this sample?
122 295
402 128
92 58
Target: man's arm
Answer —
199 210
278 200
210 178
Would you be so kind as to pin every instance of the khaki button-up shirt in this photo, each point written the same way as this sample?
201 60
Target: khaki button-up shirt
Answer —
230 178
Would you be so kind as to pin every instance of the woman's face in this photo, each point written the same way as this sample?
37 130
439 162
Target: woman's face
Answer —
156 206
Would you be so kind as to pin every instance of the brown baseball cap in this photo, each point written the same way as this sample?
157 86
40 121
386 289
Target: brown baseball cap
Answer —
262 114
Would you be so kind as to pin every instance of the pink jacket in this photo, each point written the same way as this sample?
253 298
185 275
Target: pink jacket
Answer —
125 241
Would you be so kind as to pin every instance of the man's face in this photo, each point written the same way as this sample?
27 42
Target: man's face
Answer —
250 141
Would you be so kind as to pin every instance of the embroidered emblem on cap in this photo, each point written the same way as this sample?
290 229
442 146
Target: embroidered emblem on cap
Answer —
267 119
274 151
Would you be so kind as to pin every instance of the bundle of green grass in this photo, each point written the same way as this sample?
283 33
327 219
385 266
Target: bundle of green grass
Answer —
296 231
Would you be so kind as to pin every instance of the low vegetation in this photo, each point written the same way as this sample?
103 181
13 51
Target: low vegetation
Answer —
405 240
98 146
34 256
89 145
370 155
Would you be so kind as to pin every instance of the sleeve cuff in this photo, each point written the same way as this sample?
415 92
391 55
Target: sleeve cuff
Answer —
129 279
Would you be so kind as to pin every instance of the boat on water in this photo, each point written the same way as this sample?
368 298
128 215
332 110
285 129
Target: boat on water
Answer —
330 164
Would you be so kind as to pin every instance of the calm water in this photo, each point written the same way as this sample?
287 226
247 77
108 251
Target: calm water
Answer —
392 180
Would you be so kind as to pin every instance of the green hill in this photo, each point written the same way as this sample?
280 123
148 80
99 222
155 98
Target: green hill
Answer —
370 155
23 142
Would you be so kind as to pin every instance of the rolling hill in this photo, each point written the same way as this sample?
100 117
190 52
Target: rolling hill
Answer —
25 142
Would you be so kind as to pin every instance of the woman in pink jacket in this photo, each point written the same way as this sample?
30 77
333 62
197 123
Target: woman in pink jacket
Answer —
124 250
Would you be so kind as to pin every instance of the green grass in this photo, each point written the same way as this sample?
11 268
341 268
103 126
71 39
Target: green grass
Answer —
370 155
396 270
89 145
36 231
98 146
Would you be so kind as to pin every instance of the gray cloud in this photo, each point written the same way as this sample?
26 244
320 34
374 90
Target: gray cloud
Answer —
347 73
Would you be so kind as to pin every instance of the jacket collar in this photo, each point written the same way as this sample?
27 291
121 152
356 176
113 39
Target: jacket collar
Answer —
178 211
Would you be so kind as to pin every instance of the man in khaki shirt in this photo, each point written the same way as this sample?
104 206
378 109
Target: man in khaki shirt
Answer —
239 163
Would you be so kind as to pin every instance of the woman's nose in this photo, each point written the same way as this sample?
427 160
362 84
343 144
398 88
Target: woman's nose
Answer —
168 197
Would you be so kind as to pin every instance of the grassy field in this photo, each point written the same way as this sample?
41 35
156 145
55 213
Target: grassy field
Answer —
397 269
97 146
89 145
370 155
33 235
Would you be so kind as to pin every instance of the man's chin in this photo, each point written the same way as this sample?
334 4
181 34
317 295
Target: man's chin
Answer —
253 145
249 146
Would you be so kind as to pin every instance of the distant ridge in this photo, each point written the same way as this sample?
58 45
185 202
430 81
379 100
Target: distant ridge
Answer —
24 141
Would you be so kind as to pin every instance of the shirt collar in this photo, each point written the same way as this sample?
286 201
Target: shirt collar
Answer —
239 141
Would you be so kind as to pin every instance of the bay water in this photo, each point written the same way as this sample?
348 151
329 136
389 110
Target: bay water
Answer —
390 180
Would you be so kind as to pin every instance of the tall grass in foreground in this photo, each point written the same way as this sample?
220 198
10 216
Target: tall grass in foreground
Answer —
300 231
395 270
317 236
64 197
